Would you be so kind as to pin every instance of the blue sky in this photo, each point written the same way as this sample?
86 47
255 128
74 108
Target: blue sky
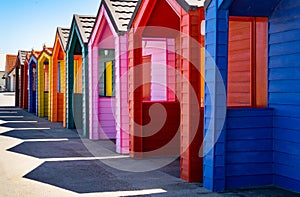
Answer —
27 24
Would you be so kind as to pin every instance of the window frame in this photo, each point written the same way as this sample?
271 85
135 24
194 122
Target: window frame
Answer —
255 94
104 94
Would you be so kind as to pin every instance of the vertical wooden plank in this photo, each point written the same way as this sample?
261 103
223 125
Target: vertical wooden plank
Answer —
53 89
21 86
240 62
122 111
69 89
17 97
215 104
49 81
40 88
191 163
135 97
253 62
85 91
171 70
65 91
30 71
95 94
26 71
261 62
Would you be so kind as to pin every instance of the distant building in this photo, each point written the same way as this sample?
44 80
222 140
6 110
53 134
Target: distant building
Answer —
10 73
2 70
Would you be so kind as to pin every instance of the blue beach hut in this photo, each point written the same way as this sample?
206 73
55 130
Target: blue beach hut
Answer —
32 82
252 95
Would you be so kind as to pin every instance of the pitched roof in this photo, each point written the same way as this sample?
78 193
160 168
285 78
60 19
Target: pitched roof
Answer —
63 34
22 56
85 26
10 63
35 54
185 4
28 56
191 3
121 12
47 50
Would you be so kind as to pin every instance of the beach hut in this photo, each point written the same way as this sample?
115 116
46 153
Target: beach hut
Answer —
165 37
108 63
44 71
32 82
22 61
252 106
10 74
58 76
76 73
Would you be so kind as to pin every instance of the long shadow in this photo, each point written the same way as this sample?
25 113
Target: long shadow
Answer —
78 176
31 123
21 125
56 149
42 134
10 119
8 107
94 176
8 94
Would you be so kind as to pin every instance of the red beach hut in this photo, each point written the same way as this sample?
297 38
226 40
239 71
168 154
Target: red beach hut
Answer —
165 38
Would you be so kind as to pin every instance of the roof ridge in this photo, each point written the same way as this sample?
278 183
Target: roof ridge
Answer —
62 36
82 32
119 8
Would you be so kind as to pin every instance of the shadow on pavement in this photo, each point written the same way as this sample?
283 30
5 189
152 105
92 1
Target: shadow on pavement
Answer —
41 134
56 149
267 191
91 175
8 107
20 125
94 176
78 176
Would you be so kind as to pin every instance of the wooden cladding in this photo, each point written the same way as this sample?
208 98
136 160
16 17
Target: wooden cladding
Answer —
247 62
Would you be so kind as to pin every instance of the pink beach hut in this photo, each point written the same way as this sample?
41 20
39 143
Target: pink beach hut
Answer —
108 66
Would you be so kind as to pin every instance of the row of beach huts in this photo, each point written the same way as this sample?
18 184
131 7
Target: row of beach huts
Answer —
213 81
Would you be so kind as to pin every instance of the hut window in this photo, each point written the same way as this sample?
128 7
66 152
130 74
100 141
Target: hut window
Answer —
34 79
106 73
46 76
58 77
147 78
108 86
77 74
247 62
159 74
202 30
60 74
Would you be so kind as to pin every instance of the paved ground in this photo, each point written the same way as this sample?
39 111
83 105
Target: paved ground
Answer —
39 158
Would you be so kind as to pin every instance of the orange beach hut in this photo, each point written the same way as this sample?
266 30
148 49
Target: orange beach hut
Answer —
58 76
